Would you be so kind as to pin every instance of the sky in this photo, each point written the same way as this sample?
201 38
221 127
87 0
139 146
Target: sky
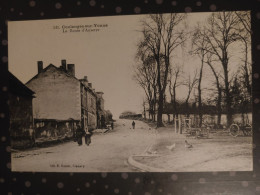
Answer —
105 56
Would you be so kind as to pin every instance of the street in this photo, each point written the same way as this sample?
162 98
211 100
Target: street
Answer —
107 153
150 149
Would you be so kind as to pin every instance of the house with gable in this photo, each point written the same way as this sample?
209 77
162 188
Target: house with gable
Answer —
61 101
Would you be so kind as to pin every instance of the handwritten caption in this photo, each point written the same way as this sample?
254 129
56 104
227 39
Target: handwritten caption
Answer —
80 28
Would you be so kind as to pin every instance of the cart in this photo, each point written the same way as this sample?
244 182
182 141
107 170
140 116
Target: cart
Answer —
236 128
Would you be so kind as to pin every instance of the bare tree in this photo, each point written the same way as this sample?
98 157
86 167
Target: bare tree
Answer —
199 48
144 107
191 82
175 74
220 34
244 33
145 75
244 18
161 37
209 61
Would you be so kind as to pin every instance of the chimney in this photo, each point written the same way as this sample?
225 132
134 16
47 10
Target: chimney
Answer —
71 69
63 64
40 66
85 81
90 85
100 94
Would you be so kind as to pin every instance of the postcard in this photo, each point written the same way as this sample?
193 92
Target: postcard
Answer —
139 93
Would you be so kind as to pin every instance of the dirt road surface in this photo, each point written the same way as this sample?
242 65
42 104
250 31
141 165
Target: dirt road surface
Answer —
219 152
110 151
107 153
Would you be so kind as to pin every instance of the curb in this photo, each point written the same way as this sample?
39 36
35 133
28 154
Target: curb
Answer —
143 167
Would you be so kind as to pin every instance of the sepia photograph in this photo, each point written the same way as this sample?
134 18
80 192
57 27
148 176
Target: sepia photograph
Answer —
140 93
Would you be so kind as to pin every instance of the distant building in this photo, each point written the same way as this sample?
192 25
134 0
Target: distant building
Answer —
21 113
130 115
62 101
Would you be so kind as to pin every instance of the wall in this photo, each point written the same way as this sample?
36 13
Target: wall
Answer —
55 129
57 95
92 110
102 107
84 112
21 121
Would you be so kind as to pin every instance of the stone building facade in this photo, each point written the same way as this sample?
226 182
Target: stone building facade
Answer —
62 101
88 101
100 110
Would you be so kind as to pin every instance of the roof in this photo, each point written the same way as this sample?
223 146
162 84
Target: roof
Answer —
17 87
64 72
89 89
49 66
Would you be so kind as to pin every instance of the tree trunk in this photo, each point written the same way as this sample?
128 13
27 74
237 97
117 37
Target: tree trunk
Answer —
247 82
144 112
154 110
187 109
228 98
160 111
174 102
219 110
199 92
218 105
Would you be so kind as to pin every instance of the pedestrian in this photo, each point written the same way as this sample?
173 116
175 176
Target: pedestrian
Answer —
79 134
103 122
87 136
133 124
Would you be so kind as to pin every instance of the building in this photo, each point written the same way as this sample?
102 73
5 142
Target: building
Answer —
89 101
100 110
21 113
62 101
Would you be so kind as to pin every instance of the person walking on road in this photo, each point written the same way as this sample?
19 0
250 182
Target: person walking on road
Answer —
133 124
87 136
79 134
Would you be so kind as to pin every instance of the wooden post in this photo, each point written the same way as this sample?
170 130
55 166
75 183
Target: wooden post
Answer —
179 123
175 123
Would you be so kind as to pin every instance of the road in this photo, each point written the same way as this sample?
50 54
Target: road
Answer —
107 153
110 151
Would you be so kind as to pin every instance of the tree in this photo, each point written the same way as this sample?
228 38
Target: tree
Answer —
145 75
190 83
161 38
244 33
243 80
220 34
174 73
199 48
218 86
240 101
